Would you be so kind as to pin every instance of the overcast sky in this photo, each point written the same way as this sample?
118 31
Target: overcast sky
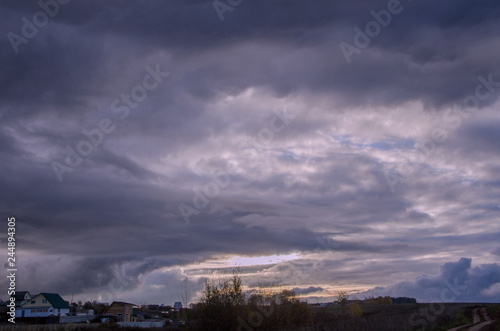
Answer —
320 145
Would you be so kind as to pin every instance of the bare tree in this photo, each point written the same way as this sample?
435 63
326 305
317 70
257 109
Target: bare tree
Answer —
342 299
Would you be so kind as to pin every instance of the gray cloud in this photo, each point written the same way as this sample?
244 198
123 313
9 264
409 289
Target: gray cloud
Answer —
309 290
314 187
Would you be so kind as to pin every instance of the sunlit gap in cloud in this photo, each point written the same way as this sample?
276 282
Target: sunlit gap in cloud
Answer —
260 260
243 261
224 266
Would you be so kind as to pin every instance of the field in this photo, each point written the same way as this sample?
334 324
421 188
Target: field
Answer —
435 317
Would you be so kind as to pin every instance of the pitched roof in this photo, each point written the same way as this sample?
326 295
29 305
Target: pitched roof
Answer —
122 303
118 303
19 296
55 300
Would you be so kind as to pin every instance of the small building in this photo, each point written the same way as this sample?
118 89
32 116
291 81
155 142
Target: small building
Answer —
177 306
43 305
21 298
121 311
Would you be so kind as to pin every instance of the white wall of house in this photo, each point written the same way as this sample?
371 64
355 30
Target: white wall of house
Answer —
40 312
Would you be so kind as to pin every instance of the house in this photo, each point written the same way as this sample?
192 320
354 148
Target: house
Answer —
21 298
122 311
43 305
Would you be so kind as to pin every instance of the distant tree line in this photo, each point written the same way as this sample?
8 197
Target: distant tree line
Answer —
224 306
400 300
387 300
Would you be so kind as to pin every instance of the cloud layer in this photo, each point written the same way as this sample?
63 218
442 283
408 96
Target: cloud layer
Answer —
142 143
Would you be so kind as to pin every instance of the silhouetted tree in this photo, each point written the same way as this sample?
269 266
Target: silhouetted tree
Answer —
401 300
87 305
222 302
343 299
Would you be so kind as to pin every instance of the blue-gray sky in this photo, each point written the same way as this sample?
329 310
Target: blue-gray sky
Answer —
320 145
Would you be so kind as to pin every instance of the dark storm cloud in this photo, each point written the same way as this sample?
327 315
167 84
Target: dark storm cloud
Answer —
309 290
75 63
301 192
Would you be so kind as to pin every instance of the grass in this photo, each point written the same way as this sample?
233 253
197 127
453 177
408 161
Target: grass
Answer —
462 317
494 313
